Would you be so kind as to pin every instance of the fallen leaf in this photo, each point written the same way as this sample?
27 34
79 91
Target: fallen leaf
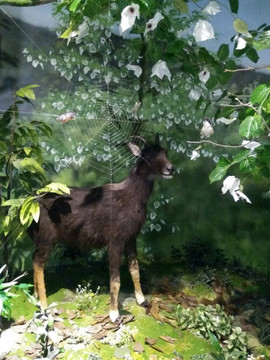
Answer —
138 347
150 341
168 339
94 329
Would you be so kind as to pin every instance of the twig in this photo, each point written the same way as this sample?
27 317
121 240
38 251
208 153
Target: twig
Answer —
215 144
248 68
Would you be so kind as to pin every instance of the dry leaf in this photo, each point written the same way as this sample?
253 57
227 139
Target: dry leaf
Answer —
138 347
168 339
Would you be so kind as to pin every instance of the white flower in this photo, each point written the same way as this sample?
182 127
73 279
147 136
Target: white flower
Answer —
216 93
204 76
203 31
241 44
232 184
152 23
194 95
195 155
82 32
128 17
136 68
207 129
252 145
161 69
212 8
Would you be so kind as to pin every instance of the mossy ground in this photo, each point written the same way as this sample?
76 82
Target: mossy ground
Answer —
144 325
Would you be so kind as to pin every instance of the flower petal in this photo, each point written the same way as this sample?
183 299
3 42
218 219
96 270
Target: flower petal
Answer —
204 76
241 44
195 155
225 120
136 68
152 23
194 95
203 31
160 69
231 183
250 144
128 17
212 8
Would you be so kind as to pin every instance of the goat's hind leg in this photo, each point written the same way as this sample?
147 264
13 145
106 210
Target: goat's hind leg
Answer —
131 254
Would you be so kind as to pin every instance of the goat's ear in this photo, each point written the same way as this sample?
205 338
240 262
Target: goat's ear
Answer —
136 151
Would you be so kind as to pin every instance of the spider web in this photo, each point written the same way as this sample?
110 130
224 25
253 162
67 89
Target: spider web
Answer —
106 112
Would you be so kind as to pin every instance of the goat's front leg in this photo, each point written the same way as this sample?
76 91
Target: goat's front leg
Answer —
115 263
131 254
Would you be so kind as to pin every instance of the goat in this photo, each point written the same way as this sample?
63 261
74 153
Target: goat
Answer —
110 215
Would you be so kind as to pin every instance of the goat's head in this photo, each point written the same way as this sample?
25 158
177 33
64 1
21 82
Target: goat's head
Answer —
153 159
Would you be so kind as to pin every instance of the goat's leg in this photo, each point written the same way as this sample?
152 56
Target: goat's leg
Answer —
39 259
131 254
115 263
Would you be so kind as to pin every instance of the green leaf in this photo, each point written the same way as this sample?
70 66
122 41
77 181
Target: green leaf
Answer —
35 211
181 5
251 127
260 94
252 54
57 188
13 202
217 174
32 165
223 51
241 27
26 210
74 5
27 92
66 33
234 4
27 150
3 147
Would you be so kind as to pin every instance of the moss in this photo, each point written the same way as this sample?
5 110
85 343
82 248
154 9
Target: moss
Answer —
200 291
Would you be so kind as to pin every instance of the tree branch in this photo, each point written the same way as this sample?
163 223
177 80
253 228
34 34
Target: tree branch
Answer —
248 68
215 144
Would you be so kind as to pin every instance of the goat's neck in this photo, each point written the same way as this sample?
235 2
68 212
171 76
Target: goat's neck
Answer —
140 183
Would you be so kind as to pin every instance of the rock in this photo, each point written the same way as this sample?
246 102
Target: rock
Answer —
8 341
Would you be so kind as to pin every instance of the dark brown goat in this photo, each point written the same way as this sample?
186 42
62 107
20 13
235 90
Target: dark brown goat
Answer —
111 215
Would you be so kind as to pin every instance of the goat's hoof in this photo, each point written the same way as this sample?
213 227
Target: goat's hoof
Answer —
145 304
115 317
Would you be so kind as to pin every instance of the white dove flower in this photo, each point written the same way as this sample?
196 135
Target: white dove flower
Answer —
204 75
232 184
195 155
136 68
194 95
203 31
241 43
207 129
252 145
212 8
160 69
153 23
128 17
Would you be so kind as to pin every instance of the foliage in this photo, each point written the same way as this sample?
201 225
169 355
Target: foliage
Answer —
6 296
212 322
45 336
85 298
22 169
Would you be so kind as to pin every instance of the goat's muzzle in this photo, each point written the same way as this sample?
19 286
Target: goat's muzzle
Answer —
169 171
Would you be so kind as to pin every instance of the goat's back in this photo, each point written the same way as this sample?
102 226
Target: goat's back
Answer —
92 217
